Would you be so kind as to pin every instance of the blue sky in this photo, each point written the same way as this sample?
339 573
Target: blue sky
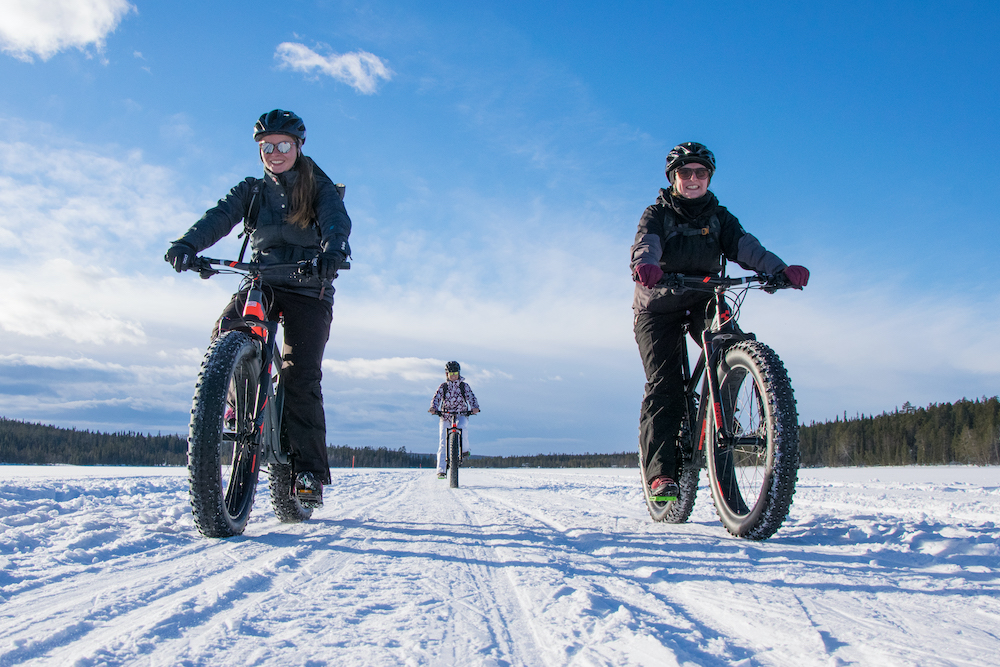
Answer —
497 158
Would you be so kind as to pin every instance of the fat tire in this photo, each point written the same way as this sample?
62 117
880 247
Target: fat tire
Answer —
454 456
281 481
753 482
223 464
676 511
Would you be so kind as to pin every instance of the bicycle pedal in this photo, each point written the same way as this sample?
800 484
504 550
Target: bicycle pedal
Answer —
309 499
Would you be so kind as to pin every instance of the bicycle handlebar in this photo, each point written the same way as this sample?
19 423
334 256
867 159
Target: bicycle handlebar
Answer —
203 265
679 282
464 413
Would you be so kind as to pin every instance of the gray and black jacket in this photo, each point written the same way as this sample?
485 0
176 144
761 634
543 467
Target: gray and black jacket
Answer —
692 237
275 241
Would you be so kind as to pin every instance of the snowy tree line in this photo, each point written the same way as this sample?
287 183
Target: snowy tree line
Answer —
962 432
23 442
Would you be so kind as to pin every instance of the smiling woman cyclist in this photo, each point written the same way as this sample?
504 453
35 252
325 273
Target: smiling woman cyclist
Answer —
294 213
685 231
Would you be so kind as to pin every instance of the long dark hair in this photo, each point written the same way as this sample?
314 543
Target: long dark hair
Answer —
303 194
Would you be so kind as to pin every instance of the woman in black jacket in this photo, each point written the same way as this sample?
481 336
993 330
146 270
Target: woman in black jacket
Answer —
686 231
294 213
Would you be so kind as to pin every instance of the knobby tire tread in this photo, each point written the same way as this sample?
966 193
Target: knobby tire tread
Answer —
677 511
759 518
208 498
454 456
286 506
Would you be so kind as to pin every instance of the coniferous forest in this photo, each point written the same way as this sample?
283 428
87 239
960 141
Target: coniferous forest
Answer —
965 432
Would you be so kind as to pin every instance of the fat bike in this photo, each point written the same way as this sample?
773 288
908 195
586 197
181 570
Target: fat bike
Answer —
742 424
236 412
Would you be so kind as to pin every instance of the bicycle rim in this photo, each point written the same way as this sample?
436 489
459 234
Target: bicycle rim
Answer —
223 449
238 450
753 475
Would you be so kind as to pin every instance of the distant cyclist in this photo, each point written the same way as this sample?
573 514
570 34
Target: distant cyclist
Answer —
454 395
294 213
685 231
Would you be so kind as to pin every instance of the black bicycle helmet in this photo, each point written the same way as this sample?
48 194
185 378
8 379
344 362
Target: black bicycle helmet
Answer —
689 151
452 367
280 122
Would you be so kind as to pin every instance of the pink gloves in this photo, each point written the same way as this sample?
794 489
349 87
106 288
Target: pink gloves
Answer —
650 274
798 276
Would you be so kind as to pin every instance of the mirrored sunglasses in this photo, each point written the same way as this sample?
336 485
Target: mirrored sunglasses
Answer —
283 147
701 173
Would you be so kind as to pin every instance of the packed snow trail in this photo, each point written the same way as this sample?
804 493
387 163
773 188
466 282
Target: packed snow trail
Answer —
879 566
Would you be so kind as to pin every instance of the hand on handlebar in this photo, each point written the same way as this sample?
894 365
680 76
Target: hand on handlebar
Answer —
798 276
323 266
648 274
181 255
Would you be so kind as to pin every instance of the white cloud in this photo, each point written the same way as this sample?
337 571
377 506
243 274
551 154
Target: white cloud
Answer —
43 28
360 70
407 368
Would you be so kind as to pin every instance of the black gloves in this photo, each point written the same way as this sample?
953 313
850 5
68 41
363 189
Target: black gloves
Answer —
181 255
328 263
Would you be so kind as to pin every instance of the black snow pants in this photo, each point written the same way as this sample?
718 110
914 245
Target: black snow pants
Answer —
660 336
305 331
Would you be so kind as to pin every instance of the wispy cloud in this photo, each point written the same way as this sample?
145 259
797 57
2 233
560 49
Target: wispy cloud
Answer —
360 70
407 368
43 28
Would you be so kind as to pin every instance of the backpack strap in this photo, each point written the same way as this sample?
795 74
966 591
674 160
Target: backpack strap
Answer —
672 228
250 216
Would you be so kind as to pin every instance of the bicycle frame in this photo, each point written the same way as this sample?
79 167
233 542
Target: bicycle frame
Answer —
270 395
715 338
455 429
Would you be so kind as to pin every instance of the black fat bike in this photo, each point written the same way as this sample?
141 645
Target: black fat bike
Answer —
742 424
236 413
453 446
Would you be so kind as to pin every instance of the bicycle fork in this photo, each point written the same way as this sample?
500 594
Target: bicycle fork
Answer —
267 423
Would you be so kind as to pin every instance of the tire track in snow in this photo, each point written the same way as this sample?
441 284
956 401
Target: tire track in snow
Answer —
207 583
582 600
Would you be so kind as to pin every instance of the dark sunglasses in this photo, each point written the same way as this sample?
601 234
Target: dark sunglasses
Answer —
282 147
700 173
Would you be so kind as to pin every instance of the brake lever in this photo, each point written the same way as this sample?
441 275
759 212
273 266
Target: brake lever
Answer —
203 267
308 268
777 282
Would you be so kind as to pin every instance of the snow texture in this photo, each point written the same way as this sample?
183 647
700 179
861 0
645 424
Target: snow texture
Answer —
876 566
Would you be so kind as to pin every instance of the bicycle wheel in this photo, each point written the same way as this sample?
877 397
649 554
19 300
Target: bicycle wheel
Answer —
223 450
753 477
288 509
679 510
454 456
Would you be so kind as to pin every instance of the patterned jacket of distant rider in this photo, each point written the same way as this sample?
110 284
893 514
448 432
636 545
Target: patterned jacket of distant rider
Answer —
449 397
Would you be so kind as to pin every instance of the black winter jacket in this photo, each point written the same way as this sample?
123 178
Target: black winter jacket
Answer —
669 236
275 241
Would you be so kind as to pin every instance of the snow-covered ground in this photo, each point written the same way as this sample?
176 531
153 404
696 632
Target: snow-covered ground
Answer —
876 566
